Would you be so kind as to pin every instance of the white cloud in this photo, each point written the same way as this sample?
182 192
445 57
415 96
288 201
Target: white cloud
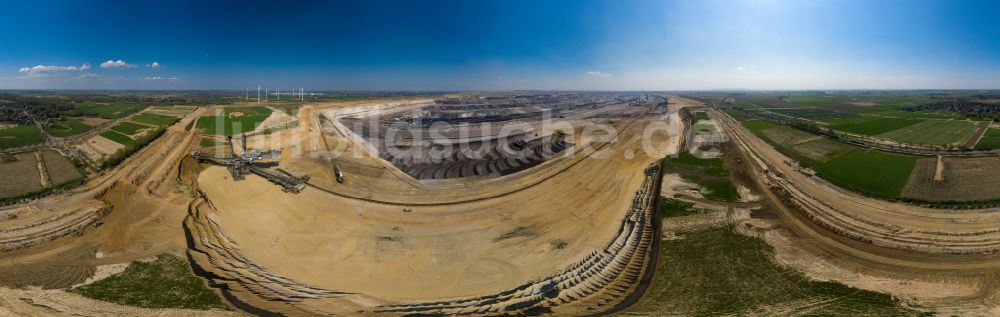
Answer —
116 64
595 73
161 78
747 69
42 70
741 68
154 65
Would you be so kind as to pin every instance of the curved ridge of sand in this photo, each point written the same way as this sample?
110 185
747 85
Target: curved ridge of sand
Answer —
317 252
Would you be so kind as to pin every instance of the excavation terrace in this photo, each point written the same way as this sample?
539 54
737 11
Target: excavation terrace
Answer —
551 218
484 136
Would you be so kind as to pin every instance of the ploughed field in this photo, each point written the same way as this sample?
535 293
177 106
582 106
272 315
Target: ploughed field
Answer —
34 172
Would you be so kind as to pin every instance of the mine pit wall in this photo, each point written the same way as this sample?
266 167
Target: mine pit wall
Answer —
862 229
72 222
652 257
603 282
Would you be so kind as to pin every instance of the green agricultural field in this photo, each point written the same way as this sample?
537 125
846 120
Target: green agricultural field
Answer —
128 128
871 125
807 148
990 140
874 172
155 119
235 121
739 116
68 127
120 138
926 114
110 111
933 132
719 272
166 282
19 136
756 126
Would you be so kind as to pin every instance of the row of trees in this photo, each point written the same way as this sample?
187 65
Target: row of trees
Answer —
123 153
962 106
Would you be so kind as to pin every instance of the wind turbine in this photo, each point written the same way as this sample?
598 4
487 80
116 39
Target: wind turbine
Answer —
246 95
302 94
258 92
265 94
278 92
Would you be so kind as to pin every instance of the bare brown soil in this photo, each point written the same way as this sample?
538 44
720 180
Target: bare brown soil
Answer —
963 179
980 131
21 176
94 121
59 168
104 146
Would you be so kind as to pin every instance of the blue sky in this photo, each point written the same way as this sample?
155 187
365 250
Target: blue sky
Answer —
501 45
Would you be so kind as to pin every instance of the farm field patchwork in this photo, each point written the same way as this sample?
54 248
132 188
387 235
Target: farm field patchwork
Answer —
990 140
120 138
807 148
933 132
871 172
68 127
19 136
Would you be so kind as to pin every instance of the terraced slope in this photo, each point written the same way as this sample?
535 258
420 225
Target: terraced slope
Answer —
601 281
479 158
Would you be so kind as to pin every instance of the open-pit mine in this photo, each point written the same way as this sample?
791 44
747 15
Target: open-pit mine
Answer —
488 204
